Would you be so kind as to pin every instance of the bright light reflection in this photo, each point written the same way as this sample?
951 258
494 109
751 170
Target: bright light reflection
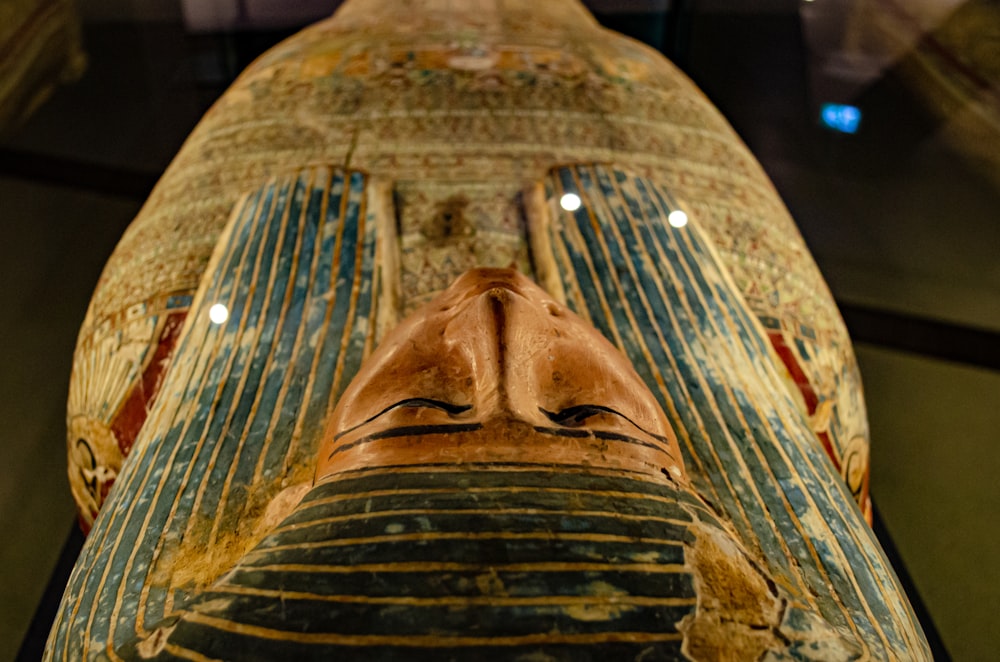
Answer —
570 202
218 313
677 218
840 117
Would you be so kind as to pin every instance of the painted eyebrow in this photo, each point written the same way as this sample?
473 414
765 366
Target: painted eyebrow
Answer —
449 407
571 416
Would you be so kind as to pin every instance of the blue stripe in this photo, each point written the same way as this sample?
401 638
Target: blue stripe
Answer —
302 326
697 291
328 346
690 366
356 335
718 329
758 472
578 266
273 360
236 354
832 506
179 301
250 363
253 243
146 474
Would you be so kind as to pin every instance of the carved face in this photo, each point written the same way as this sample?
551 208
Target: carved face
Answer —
494 370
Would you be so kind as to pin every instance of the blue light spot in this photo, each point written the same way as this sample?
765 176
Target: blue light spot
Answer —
840 117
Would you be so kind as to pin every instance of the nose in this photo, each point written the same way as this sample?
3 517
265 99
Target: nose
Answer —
511 333
476 282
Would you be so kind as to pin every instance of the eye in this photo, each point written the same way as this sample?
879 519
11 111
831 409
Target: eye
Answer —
578 416
575 416
448 407
92 463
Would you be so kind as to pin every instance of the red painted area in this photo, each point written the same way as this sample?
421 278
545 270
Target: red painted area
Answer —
788 358
808 394
811 400
824 438
132 414
866 501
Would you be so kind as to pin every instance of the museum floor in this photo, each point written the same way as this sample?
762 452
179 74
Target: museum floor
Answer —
902 217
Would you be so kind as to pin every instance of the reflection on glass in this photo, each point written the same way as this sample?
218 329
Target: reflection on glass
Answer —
840 117
570 202
677 218
218 313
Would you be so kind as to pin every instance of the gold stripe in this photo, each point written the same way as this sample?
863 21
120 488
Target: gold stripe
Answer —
668 269
429 641
539 229
330 304
239 347
611 494
460 601
437 566
181 652
470 535
654 367
585 255
737 357
506 467
179 414
386 281
359 247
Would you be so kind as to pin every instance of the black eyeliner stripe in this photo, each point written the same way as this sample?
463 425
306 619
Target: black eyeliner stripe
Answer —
509 467
555 418
578 433
408 430
417 430
446 407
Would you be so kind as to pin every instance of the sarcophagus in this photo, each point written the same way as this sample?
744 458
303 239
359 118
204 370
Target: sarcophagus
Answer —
464 332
